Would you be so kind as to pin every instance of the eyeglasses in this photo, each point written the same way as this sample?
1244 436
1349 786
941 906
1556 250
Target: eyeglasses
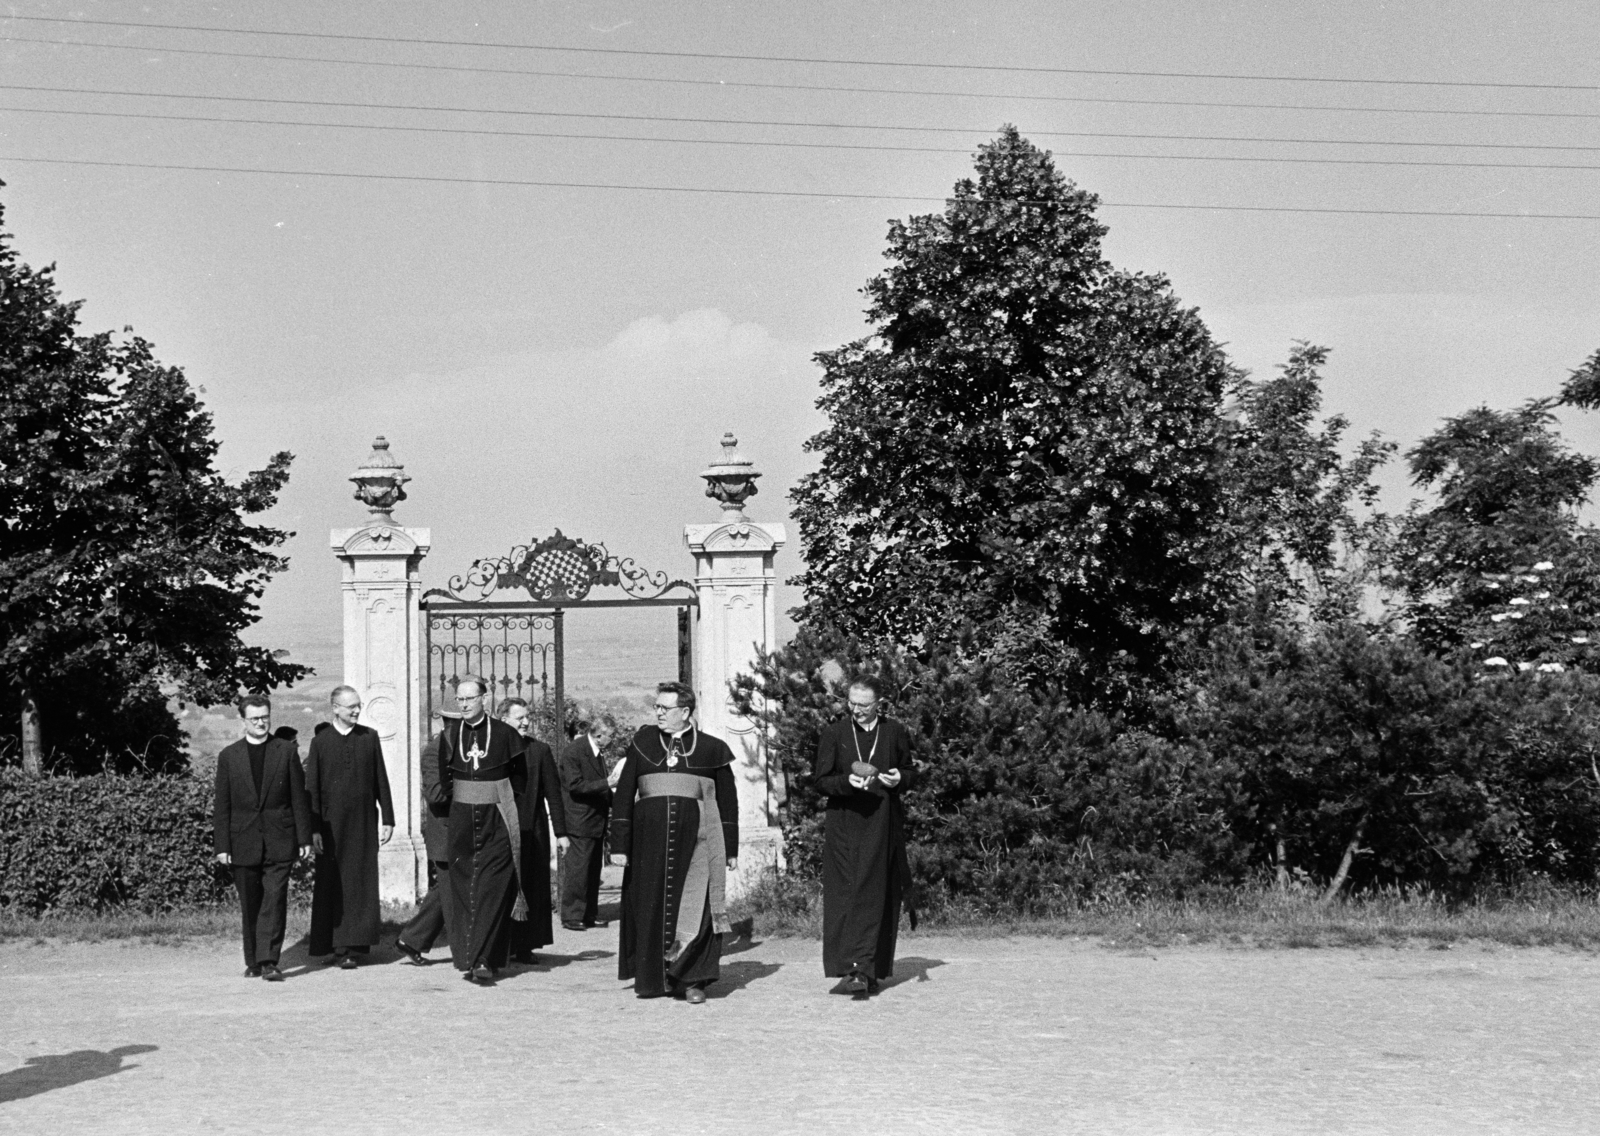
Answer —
347 705
258 717
469 698
667 709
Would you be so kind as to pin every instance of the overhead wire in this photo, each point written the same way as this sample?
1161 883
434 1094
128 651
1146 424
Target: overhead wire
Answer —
812 60
793 193
873 147
826 88
705 121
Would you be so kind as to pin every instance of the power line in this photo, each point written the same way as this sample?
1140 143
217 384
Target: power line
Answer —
344 105
731 56
816 87
456 130
800 193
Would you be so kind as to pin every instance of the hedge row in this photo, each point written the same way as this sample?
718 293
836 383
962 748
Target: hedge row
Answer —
90 844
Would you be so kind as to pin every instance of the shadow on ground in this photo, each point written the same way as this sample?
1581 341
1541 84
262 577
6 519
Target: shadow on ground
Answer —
737 975
58 1070
909 969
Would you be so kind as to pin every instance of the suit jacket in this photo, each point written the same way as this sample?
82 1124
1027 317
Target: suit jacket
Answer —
271 826
542 787
584 790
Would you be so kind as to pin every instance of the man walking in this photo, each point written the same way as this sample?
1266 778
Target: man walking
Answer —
586 792
262 821
539 810
676 829
863 765
477 759
353 814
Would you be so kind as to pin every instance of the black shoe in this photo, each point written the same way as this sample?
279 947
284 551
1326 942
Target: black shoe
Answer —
574 926
694 996
872 985
482 975
596 923
413 957
525 958
270 971
348 962
855 984
252 972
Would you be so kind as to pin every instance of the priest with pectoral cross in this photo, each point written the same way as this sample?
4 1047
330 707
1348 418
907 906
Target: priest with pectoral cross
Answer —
481 771
863 765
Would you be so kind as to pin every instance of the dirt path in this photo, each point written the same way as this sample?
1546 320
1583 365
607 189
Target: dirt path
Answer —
976 1035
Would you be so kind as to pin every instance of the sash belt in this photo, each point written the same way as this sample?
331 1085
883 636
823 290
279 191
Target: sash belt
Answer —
706 882
498 793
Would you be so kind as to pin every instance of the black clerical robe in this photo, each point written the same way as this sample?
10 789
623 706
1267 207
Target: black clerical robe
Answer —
539 809
349 790
675 815
865 874
482 768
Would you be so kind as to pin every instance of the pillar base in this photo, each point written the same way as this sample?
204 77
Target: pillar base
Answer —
402 870
760 858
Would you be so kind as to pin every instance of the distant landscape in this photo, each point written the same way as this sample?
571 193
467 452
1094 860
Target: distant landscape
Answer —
613 659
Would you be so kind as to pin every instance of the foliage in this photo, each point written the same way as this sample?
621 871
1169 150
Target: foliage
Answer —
1294 497
90 844
1500 562
1028 443
1023 798
127 569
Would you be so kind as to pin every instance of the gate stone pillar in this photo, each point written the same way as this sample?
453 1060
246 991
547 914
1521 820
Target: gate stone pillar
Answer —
382 656
735 623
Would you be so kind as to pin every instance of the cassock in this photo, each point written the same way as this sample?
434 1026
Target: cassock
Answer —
675 816
539 809
429 922
349 791
482 768
865 874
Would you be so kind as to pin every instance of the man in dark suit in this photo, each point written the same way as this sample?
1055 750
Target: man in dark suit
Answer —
418 936
586 792
262 821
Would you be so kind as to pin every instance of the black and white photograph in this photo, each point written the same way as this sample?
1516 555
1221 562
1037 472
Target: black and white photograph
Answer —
886 568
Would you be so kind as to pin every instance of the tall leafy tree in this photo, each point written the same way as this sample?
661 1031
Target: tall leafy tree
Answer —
1301 511
1500 562
128 568
1028 443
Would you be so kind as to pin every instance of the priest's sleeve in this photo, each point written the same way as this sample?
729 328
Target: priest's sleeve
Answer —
622 809
832 776
549 785
728 807
380 774
222 814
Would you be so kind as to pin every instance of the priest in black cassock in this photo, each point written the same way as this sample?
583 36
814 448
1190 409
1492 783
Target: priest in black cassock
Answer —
675 827
863 765
539 810
352 815
483 770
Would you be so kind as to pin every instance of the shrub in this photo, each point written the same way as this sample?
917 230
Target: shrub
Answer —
110 841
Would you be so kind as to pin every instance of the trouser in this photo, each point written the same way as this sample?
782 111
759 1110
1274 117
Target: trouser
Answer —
263 908
580 879
425 926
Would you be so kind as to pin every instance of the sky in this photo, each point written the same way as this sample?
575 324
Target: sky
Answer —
568 354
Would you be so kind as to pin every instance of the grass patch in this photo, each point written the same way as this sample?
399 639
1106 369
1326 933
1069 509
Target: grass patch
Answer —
1242 917
166 928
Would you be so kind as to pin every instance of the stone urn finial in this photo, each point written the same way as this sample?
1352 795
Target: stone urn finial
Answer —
380 481
731 479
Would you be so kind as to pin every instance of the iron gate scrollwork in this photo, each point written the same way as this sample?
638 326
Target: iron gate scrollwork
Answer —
519 645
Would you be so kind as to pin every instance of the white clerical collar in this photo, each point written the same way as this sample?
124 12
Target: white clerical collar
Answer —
344 730
680 733
481 719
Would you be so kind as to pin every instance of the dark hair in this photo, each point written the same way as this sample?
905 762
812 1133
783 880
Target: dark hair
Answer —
505 707
683 690
578 727
476 680
867 682
260 700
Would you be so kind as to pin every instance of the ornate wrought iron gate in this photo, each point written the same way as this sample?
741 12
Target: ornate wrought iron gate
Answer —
519 645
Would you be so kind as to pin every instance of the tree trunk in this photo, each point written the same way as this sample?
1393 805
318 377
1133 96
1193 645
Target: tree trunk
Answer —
1351 850
32 745
1283 859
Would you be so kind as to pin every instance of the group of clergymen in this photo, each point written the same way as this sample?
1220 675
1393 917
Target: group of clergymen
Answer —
492 794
